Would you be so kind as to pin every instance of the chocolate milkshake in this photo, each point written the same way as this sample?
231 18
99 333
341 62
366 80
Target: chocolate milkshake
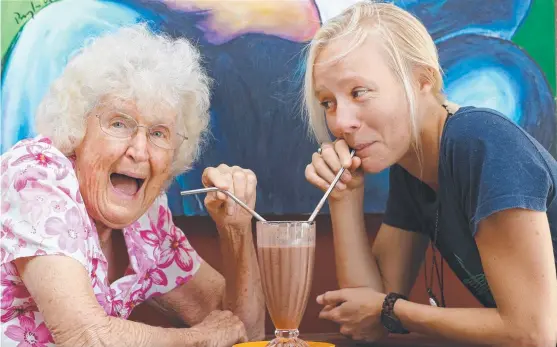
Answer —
286 273
286 252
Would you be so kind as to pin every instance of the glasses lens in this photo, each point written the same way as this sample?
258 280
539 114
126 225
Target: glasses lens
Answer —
118 125
161 136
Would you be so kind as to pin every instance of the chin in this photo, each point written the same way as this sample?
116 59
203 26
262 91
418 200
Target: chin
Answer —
117 215
374 166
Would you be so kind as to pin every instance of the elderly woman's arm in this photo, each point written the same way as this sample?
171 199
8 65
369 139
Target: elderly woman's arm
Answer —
62 291
240 290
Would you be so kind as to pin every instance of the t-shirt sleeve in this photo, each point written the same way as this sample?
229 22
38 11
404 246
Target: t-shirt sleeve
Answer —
494 166
42 212
175 259
401 211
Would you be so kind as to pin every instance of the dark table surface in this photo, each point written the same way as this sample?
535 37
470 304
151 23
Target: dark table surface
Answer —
395 341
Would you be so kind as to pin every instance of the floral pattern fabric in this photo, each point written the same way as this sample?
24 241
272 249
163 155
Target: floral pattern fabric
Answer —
42 213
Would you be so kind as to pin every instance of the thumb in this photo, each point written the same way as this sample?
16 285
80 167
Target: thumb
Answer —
331 298
356 163
213 201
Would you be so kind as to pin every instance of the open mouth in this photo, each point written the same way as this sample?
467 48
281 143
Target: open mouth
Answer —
125 184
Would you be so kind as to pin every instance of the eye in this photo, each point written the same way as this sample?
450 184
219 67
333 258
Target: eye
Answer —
359 92
117 124
326 104
160 132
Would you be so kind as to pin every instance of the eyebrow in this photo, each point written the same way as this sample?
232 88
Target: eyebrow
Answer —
156 120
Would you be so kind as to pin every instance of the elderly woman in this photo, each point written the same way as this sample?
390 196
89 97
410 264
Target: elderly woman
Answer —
466 179
86 230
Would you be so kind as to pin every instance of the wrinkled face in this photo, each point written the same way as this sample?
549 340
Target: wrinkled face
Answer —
120 178
364 103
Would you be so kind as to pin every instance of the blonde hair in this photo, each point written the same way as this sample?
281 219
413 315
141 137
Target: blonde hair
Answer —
131 64
405 40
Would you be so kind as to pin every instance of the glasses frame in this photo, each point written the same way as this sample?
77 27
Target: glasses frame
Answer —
136 129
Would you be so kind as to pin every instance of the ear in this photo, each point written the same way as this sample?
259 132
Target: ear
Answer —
425 77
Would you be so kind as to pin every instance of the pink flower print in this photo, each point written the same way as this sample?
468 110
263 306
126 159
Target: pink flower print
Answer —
94 278
107 299
6 256
78 197
4 163
40 252
35 198
136 249
66 191
71 233
13 285
4 193
182 280
173 248
136 298
7 229
23 143
26 309
58 206
30 173
160 215
154 276
38 154
61 172
21 243
29 335
152 236
157 233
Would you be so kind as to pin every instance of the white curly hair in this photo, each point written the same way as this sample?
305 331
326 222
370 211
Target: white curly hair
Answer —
132 64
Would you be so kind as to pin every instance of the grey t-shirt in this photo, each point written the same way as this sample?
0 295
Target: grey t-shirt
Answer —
486 164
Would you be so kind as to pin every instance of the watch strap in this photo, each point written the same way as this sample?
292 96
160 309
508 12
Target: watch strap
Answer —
388 318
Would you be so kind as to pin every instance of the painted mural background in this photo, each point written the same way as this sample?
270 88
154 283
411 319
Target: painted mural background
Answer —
496 53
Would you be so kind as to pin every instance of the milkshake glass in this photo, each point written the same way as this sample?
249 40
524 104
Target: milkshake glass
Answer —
286 253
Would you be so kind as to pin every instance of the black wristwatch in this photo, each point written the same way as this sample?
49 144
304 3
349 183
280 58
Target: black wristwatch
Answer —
388 318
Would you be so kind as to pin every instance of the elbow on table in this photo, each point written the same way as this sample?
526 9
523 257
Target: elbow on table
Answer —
535 337
86 335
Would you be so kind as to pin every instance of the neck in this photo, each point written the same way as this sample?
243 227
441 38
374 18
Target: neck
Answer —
103 232
425 166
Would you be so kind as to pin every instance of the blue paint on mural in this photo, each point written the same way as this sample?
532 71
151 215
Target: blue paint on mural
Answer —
255 105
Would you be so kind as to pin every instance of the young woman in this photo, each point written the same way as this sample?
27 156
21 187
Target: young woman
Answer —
466 179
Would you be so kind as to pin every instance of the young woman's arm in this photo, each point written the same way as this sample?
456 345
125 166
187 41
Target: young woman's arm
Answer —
520 269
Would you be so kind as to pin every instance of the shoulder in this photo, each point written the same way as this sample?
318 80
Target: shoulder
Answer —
35 161
475 123
41 200
483 132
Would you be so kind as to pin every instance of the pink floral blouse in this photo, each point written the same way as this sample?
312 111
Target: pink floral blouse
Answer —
42 213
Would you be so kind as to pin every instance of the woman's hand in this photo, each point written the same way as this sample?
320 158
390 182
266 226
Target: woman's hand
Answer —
238 181
325 166
357 310
220 329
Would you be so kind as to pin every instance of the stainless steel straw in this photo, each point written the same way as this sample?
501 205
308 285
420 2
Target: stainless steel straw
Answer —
324 198
215 189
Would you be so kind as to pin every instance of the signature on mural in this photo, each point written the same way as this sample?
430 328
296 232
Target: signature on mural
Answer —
254 51
34 7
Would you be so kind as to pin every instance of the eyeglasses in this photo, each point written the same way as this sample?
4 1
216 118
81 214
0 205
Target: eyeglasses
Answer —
122 126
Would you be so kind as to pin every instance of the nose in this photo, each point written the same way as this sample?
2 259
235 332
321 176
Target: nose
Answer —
137 150
347 118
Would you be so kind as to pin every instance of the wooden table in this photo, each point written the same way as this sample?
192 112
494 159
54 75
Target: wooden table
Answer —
395 341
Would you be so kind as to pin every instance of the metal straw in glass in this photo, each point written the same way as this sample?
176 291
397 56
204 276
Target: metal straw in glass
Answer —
331 187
